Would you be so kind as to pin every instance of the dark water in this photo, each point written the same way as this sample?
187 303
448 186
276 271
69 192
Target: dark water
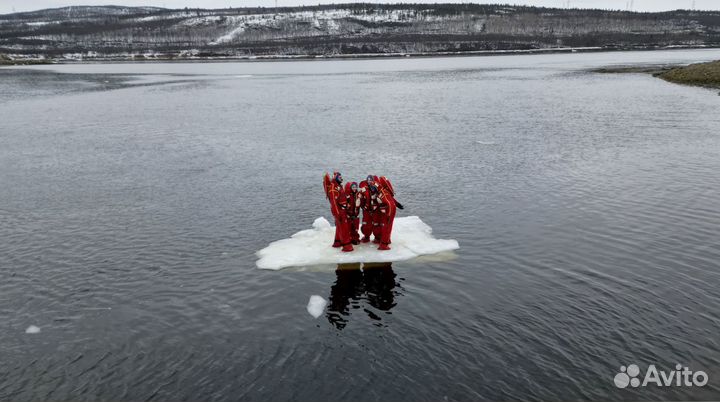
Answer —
134 196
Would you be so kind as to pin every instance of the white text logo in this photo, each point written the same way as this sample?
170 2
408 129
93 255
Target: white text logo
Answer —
680 377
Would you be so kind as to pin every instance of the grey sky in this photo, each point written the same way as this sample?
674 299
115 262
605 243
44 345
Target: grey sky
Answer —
7 6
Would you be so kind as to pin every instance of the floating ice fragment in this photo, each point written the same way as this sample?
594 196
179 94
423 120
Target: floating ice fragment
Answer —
322 224
32 330
316 305
411 238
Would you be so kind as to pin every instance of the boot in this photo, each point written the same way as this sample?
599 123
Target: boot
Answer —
376 240
384 246
365 239
347 248
337 244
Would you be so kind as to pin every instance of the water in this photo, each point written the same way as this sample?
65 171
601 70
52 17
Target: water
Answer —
134 197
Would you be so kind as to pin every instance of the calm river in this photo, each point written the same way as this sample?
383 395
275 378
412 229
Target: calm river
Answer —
133 198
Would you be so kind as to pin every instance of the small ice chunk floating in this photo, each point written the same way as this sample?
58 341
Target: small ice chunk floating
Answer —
316 305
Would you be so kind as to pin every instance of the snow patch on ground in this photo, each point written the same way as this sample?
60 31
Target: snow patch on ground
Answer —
202 21
326 20
411 238
229 36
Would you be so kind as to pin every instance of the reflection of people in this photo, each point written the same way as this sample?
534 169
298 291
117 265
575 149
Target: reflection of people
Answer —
380 285
347 286
374 283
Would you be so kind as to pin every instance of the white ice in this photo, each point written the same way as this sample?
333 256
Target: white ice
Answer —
411 238
316 305
32 330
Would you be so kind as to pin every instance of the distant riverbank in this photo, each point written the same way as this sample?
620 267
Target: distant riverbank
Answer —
8 61
142 58
157 57
701 74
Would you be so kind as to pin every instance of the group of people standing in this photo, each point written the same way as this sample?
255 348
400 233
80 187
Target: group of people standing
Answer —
375 197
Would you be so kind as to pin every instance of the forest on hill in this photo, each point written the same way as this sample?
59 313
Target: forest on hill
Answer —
342 29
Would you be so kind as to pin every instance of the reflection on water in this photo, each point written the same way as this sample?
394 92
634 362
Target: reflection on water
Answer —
360 285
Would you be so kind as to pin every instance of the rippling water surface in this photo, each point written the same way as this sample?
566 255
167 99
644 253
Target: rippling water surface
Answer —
134 197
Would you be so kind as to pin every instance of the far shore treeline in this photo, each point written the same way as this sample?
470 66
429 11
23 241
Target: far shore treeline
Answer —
114 32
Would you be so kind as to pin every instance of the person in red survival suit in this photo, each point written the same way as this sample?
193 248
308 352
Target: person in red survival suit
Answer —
352 200
387 207
377 214
368 202
336 196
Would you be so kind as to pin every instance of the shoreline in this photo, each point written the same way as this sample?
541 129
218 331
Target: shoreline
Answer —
9 60
703 75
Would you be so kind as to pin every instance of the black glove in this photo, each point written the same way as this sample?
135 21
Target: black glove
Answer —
399 205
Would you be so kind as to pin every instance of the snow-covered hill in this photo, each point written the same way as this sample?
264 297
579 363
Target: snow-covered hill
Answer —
342 29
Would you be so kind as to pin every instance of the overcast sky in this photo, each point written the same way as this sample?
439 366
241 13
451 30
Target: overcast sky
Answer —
8 6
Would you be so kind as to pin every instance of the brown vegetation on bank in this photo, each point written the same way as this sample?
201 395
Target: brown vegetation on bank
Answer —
701 74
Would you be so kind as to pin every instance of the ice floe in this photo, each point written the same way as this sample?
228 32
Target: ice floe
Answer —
316 305
32 330
411 238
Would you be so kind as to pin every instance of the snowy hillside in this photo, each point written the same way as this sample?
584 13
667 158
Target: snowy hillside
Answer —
341 29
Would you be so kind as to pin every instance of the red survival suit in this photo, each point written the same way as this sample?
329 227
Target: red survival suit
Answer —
352 200
387 207
368 202
336 196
